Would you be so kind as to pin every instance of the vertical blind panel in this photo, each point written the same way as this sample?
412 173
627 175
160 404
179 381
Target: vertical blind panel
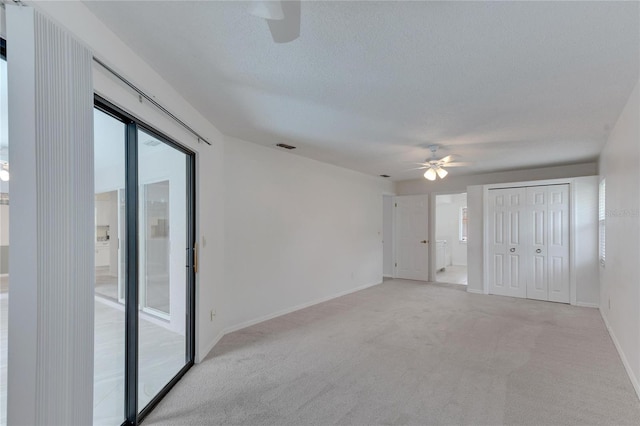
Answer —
65 228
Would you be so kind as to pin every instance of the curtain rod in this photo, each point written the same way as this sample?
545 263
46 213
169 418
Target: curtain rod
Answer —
150 99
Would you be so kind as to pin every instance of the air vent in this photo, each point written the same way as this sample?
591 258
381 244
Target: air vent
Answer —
285 146
385 176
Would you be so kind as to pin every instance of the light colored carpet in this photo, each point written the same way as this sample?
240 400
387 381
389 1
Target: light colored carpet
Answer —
411 353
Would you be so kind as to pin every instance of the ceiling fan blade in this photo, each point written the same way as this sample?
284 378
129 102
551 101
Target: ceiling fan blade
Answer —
286 29
418 168
457 164
270 9
446 159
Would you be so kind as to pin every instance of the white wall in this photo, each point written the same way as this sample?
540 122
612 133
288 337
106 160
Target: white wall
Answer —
459 183
584 249
209 161
297 231
328 219
454 184
620 278
475 240
448 227
387 236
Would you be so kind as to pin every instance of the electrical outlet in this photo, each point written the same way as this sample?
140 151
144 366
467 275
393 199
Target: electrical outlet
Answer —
213 314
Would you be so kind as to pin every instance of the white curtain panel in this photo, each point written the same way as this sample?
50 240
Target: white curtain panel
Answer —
51 304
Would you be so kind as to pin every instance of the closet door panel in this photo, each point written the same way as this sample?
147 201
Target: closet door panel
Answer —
536 249
506 267
558 243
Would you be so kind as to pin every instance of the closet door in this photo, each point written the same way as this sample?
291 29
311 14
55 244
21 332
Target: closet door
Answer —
537 233
558 243
506 248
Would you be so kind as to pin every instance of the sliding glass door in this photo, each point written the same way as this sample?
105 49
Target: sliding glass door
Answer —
144 239
163 234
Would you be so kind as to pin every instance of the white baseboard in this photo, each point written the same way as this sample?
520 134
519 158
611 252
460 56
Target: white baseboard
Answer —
387 276
249 323
474 291
587 305
625 362
198 359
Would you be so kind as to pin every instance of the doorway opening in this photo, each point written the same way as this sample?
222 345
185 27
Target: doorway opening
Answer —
451 238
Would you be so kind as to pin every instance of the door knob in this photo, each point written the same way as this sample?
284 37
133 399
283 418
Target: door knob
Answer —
538 251
424 241
512 249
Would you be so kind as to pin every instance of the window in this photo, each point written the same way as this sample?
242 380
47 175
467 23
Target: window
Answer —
463 224
602 214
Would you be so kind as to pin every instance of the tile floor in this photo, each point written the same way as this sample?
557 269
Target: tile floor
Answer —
453 274
161 356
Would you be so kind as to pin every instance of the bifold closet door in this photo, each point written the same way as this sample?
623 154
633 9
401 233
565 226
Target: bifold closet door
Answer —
529 242
506 248
548 222
558 243
538 230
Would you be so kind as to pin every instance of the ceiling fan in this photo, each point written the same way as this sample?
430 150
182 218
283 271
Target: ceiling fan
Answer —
436 166
283 18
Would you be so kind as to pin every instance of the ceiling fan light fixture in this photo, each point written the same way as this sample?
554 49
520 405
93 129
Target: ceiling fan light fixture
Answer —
441 172
430 174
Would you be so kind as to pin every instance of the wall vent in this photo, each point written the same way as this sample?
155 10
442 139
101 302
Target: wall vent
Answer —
285 146
385 176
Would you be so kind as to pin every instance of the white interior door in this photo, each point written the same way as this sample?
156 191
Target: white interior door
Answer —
506 248
558 243
412 241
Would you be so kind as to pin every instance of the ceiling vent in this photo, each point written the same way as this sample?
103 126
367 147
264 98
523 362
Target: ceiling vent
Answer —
285 146
385 176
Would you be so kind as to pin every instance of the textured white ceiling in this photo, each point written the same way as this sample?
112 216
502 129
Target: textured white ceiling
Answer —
368 85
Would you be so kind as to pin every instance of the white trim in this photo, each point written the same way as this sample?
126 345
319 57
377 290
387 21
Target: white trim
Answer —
267 317
573 212
586 305
387 276
209 348
625 362
4 275
474 291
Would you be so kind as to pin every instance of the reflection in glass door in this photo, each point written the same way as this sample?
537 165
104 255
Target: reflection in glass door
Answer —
156 262
163 235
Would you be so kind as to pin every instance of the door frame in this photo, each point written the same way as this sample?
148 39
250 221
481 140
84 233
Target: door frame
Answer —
132 414
433 226
485 227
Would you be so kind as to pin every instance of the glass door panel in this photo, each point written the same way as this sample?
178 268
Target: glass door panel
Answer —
163 198
109 341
